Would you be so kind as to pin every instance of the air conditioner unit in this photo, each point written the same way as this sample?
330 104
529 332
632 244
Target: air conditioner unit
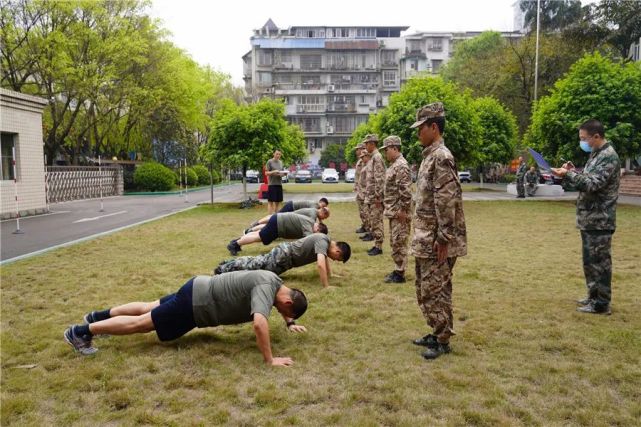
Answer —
330 130
269 90
330 88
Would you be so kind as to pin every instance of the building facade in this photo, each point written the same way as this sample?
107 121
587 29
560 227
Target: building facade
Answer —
332 78
21 131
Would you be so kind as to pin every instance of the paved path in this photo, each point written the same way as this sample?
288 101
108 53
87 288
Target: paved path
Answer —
79 220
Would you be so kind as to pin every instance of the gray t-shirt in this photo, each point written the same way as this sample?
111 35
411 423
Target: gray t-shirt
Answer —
305 250
232 298
303 204
294 225
274 165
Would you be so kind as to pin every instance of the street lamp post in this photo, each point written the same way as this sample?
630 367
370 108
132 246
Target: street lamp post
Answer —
536 54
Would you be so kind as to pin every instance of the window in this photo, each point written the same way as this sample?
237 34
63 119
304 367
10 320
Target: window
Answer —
366 33
318 143
389 78
7 144
388 57
436 45
436 64
264 79
414 45
310 62
264 57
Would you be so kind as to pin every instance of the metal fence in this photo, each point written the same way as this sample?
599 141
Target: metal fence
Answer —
66 183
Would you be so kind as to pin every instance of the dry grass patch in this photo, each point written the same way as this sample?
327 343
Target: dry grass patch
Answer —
522 355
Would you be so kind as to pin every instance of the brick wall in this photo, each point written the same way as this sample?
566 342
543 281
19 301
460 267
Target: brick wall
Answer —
22 115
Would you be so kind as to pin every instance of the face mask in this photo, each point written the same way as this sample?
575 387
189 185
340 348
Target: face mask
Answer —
585 146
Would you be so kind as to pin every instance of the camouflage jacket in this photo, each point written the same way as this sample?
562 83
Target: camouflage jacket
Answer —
520 172
598 185
398 183
362 181
375 178
438 214
532 177
357 173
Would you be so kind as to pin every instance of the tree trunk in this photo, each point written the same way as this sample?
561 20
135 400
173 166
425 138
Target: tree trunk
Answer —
244 182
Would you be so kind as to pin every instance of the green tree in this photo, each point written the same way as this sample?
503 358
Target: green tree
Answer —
554 14
499 133
333 153
596 87
372 125
462 130
246 136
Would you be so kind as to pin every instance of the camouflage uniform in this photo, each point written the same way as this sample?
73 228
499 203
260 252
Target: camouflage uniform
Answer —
520 176
359 197
374 194
360 194
596 205
531 180
438 216
398 198
278 260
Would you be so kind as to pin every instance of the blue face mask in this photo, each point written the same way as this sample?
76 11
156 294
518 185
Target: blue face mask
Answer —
585 146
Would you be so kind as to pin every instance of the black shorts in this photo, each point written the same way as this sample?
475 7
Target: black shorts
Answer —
174 317
274 193
269 232
287 207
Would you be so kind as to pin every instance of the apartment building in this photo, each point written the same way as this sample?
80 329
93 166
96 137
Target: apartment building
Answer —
332 78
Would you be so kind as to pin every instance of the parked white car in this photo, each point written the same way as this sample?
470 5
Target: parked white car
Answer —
350 175
329 175
465 176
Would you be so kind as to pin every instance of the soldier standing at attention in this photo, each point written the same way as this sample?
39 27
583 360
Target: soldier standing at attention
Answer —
398 202
374 193
520 176
359 200
274 168
596 209
439 230
362 184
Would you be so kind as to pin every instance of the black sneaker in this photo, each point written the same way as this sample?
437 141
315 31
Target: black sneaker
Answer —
584 301
395 277
593 308
233 247
434 352
89 318
428 340
80 344
367 238
374 251
217 270
360 230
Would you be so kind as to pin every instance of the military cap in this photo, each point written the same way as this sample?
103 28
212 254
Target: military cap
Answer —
360 146
391 141
370 137
428 111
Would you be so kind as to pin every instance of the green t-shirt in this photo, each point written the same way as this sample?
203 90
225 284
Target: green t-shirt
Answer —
294 225
274 165
303 204
232 298
305 250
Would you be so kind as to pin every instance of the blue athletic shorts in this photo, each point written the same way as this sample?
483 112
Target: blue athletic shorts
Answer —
287 207
269 232
174 317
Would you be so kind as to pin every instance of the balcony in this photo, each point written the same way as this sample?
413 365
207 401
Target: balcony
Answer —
310 108
339 107
435 48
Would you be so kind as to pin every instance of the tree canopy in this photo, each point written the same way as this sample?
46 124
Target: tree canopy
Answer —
499 133
595 88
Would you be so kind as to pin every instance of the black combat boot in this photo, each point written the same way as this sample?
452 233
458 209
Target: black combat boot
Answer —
434 352
428 340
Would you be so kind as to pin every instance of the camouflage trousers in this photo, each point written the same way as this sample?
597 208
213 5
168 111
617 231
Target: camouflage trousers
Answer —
375 223
530 189
597 264
520 187
434 295
278 260
399 237
361 211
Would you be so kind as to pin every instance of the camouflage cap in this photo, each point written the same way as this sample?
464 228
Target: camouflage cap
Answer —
360 146
370 137
428 111
391 141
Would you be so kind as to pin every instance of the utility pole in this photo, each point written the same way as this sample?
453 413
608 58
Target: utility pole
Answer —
536 54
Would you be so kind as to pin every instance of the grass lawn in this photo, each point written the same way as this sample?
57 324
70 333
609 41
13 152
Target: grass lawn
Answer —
318 187
522 356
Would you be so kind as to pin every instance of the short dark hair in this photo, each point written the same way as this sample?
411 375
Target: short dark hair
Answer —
346 251
299 302
592 127
322 228
324 200
440 123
